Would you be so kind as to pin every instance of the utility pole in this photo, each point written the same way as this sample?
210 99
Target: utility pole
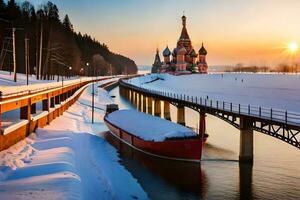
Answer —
14 54
93 98
41 53
26 59
110 69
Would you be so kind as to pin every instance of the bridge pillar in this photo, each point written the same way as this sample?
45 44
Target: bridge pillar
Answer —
167 114
144 109
136 99
149 105
180 115
157 107
126 92
246 140
139 101
245 175
202 123
133 97
129 95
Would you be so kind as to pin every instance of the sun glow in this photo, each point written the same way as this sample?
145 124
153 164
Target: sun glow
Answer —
293 47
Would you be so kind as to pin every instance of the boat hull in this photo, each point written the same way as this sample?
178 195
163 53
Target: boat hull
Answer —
176 149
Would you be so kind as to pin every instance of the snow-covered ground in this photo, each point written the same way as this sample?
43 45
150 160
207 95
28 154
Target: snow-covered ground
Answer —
66 160
277 91
149 128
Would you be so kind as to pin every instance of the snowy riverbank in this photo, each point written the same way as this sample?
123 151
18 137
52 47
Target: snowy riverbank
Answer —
279 91
66 160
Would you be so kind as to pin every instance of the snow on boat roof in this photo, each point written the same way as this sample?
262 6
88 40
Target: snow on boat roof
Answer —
148 127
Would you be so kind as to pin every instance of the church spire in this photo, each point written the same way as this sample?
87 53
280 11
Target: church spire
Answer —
183 20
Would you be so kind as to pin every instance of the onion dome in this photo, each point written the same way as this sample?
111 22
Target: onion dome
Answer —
202 51
166 52
182 51
193 53
174 53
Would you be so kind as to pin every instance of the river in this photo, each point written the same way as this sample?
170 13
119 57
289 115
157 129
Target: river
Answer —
275 173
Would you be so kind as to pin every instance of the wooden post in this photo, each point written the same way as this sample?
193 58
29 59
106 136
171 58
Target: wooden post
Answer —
180 115
167 114
246 140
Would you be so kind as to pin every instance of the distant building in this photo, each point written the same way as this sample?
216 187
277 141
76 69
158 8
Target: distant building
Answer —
183 59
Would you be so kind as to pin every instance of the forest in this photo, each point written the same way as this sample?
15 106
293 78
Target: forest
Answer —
47 45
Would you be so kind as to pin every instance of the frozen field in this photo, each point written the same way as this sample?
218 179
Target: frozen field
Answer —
278 91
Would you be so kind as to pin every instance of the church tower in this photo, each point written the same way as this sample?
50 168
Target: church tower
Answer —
184 39
157 63
202 65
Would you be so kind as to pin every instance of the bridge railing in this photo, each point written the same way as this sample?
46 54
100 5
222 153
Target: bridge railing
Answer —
279 115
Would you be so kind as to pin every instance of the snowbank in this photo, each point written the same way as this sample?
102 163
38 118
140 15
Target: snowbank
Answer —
148 127
65 160
9 88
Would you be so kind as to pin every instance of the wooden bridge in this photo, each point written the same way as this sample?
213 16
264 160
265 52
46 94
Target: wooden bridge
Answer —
280 124
53 102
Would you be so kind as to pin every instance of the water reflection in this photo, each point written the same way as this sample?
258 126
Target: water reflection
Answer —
175 179
245 181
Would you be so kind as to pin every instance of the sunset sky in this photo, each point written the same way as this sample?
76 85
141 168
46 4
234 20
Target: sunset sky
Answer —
233 31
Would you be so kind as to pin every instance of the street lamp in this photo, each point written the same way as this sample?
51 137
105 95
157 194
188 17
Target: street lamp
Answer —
80 74
93 95
87 65
70 73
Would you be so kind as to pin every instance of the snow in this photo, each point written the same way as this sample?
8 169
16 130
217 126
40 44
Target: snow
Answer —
14 126
10 88
66 160
148 127
280 92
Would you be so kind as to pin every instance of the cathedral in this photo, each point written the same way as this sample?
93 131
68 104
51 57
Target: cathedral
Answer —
183 59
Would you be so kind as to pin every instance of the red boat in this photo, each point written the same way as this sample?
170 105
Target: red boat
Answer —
185 148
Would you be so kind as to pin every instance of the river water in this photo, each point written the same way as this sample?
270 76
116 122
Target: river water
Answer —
275 173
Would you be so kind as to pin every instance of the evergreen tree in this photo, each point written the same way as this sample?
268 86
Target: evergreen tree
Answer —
67 23
2 8
61 45
12 10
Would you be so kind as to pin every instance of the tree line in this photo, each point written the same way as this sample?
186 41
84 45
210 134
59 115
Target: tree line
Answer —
281 68
53 46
